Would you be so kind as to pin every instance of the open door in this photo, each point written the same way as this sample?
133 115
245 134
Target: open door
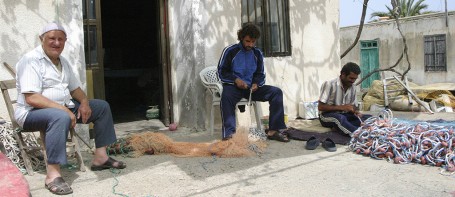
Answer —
93 49
132 70
165 65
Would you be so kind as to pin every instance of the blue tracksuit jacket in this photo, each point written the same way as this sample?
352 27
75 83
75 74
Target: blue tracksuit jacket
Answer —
236 62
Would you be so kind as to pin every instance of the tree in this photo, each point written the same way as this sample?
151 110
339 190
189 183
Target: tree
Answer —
394 14
395 11
359 31
404 8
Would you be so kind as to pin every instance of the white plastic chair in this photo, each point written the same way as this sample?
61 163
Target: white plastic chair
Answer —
210 80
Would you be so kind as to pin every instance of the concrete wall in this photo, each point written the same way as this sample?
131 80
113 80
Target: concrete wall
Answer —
391 45
21 23
200 29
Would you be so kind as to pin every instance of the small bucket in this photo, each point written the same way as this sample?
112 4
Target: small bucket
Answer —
153 112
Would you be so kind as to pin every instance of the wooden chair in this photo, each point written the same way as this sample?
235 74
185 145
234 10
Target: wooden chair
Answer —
9 102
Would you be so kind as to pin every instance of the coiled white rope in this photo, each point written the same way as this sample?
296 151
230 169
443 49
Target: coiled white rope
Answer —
12 148
383 137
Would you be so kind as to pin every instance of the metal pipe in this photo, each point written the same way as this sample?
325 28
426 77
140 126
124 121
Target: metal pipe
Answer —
413 95
447 15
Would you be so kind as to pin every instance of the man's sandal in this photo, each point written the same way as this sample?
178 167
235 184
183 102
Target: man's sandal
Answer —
278 137
108 164
59 186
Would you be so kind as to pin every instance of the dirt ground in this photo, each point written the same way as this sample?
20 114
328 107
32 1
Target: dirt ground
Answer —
284 169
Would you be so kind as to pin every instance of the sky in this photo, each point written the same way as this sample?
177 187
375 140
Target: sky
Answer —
351 10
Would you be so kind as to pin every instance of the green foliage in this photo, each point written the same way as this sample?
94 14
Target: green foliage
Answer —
405 8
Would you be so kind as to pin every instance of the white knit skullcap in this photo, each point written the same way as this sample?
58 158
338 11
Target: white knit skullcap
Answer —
52 26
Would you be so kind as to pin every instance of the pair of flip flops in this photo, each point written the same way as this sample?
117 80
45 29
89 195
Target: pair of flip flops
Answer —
108 165
327 144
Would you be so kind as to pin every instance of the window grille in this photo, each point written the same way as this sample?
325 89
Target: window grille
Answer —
272 17
435 53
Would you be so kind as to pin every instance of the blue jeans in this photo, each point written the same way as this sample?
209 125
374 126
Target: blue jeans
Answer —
56 123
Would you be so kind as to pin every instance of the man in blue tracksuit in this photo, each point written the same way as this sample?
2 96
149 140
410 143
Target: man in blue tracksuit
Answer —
241 69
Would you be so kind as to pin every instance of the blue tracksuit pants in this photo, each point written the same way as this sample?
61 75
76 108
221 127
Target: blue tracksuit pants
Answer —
344 122
232 95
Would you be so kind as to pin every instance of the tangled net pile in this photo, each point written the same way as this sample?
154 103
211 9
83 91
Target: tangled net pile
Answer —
383 137
158 143
12 148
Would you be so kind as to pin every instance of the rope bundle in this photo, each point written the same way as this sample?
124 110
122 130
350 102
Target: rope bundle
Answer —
158 143
12 148
384 137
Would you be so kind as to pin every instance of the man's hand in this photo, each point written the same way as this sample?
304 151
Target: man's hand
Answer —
348 108
358 114
37 100
240 84
254 87
72 117
84 111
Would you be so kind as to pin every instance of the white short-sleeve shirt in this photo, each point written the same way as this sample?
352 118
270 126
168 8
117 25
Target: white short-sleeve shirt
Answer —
332 93
35 73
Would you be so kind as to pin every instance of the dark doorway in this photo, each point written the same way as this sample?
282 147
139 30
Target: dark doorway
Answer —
132 68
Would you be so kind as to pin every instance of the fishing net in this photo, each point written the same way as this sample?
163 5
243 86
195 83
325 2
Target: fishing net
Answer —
406 141
247 141
13 151
159 143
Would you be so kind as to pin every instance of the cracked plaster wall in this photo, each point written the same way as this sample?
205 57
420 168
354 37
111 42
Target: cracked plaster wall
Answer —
21 21
200 29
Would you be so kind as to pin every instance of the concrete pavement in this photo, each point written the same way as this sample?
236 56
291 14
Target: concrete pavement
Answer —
284 169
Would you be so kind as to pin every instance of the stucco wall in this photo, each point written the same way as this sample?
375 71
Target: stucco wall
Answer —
315 53
21 23
391 45
200 29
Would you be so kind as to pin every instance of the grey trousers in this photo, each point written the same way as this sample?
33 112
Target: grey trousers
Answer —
56 123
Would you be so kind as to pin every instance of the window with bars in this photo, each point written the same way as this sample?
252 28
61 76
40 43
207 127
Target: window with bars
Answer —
435 53
272 17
